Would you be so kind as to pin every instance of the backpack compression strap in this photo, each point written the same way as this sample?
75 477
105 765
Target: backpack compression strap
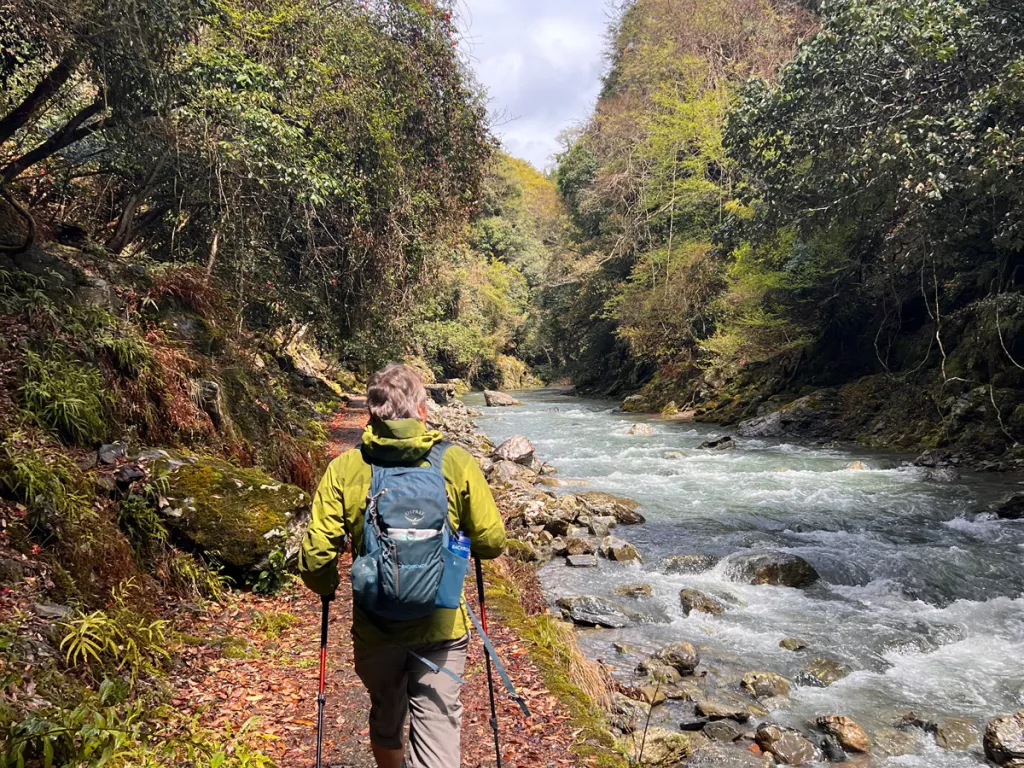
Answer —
497 662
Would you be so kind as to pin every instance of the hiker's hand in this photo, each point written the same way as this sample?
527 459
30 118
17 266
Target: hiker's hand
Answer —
328 598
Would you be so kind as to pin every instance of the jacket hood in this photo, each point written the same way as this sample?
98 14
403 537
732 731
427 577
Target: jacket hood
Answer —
405 440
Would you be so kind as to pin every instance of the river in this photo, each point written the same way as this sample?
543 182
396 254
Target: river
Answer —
922 601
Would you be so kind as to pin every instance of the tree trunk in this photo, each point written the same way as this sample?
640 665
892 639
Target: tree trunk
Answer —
22 211
41 94
72 132
124 234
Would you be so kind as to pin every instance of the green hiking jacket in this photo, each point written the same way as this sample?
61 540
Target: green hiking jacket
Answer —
340 502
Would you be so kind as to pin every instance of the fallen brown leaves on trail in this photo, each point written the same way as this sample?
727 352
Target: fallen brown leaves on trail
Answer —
276 678
276 681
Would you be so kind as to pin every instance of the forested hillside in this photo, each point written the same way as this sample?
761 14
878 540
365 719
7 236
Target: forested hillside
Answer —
752 229
217 218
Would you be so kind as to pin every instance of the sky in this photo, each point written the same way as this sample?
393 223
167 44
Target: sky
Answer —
541 62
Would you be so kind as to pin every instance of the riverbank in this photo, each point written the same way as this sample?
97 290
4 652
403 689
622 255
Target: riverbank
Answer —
887 588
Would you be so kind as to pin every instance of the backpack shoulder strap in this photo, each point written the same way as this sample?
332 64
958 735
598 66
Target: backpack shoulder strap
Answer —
436 454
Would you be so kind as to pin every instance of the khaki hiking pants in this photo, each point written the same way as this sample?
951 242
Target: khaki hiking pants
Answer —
399 686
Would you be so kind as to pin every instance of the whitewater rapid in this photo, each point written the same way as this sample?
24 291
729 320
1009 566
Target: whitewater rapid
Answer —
922 600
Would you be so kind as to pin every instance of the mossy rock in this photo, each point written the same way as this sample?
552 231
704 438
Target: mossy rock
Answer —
238 515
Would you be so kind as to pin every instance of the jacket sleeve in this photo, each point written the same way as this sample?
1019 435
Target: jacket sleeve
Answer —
325 536
478 514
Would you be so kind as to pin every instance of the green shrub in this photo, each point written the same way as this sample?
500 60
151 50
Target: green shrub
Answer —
129 351
119 638
48 483
142 526
274 576
62 394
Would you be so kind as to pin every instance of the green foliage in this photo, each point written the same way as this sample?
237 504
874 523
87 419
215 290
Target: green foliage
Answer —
64 395
129 351
119 638
141 523
190 576
274 576
273 623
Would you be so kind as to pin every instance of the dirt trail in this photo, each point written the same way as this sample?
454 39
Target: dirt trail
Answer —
275 680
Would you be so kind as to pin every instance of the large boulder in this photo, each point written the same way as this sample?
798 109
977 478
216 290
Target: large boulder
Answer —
789 747
238 515
516 449
770 567
851 737
660 746
695 600
1004 740
606 505
683 656
592 611
499 399
618 550
812 416
629 715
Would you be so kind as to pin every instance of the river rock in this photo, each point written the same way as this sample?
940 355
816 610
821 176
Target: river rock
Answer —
577 546
499 399
52 611
727 705
850 736
858 466
832 749
660 746
770 567
789 747
558 548
723 730
688 563
516 449
810 416
601 525
581 561
1011 509
640 429
636 589
725 443
821 672
892 742
653 694
1004 740
606 505
765 685
793 644
592 611
695 600
658 670
618 550
628 714
683 656
720 755
507 472
957 734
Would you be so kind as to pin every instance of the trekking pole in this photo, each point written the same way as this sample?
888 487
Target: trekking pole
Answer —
325 608
487 659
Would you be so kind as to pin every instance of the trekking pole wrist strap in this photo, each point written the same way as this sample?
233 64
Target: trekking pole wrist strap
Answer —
502 673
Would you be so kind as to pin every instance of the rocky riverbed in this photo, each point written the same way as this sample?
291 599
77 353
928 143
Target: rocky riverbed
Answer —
683 636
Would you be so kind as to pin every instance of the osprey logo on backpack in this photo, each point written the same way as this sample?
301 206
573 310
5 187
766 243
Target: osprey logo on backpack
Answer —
415 516
406 527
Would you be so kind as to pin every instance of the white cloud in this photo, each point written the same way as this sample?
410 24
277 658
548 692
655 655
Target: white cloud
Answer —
541 63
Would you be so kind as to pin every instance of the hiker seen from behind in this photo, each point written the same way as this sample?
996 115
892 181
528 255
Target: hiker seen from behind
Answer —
412 506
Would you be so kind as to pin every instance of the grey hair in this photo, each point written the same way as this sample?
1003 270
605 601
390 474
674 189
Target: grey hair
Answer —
395 392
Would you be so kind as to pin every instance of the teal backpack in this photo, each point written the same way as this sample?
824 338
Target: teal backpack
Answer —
405 554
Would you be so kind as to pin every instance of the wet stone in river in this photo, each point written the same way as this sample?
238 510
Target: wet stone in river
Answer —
695 600
689 563
849 734
581 561
592 611
788 746
633 590
727 705
683 656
